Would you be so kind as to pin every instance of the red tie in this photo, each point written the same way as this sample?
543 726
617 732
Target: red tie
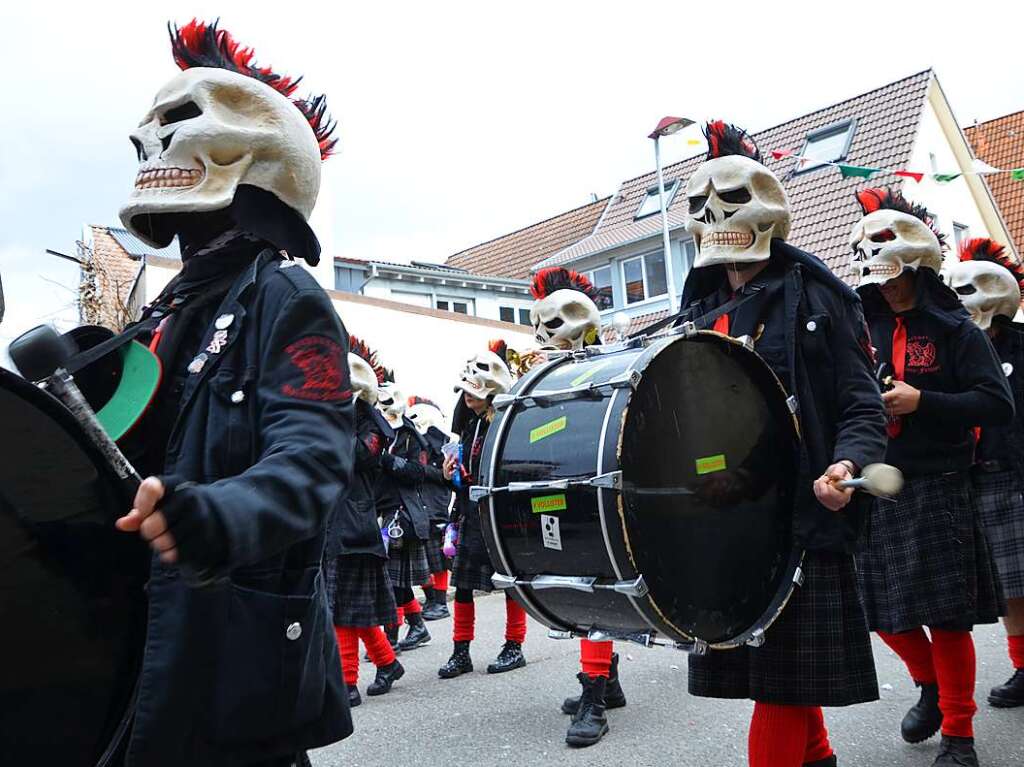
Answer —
722 324
899 362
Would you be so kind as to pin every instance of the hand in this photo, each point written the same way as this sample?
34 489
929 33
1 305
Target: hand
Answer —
902 399
826 491
148 522
449 467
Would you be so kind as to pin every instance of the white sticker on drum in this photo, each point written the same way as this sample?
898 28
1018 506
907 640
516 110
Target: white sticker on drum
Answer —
549 531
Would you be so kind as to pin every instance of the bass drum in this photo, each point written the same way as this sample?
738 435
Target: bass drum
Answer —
646 492
72 603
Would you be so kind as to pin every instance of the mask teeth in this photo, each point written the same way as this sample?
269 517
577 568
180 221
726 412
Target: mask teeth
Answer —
741 239
166 178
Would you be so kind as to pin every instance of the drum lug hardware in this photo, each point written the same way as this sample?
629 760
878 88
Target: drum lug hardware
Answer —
700 647
574 582
747 342
798 576
502 581
634 378
688 329
792 404
635 588
756 638
479 492
611 480
502 401
556 634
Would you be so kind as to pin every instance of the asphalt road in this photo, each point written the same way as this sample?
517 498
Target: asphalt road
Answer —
514 719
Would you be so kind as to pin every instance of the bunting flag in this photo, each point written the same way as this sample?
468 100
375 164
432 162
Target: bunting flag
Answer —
856 171
944 178
778 154
1017 174
909 174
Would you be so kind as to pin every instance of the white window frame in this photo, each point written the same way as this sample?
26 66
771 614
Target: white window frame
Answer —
849 126
452 300
642 257
961 232
652 192
589 274
509 308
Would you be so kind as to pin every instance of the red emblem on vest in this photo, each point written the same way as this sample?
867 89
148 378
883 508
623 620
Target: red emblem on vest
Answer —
921 354
321 362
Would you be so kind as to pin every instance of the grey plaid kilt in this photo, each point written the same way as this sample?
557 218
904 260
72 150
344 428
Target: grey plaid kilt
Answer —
1001 508
408 566
471 568
436 560
926 561
817 653
359 591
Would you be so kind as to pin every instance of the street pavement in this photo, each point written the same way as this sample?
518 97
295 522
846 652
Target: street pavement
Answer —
513 719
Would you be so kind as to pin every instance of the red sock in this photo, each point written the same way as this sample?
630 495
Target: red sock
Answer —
915 651
515 621
465 616
411 607
818 747
595 658
778 736
1015 644
348 649
400 618
955 665
441 581
377 646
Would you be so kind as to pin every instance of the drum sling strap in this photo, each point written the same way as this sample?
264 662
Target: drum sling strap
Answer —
706 321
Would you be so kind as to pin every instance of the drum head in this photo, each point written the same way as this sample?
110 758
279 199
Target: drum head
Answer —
71 587
708 459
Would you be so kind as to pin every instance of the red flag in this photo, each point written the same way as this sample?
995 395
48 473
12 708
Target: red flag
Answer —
778 154
909 174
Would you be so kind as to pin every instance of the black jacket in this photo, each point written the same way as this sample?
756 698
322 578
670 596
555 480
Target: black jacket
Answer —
242 665
436 492
402 478
824 361
1004 443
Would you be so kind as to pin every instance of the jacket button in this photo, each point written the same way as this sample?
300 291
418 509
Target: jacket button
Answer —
293 632
812 326
237 396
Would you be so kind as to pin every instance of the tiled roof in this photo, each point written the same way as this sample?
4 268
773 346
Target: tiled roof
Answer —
636 324
1000 143
822 202
513 254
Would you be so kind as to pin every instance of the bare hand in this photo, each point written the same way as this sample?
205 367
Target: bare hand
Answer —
828 494
449 467
901 399
148 522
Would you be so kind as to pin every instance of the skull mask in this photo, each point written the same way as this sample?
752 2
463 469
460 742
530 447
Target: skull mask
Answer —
564 316
425 415
391 403
986 281
893 236
363 377
212 128
485 375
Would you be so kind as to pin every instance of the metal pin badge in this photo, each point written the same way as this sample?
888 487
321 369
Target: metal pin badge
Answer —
1007 369
196 365
224 321
238 397
293 632
219 341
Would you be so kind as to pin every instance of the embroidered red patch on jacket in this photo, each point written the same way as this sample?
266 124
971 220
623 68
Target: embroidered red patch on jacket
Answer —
921 354
374 444
321 362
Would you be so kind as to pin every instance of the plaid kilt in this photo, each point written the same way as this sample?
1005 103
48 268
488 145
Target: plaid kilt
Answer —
471 568
926 561
436 560
1001 508
359 591
817 653
408 566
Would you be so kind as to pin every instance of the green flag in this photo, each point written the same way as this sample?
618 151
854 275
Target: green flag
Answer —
856 171
943 178
1017 174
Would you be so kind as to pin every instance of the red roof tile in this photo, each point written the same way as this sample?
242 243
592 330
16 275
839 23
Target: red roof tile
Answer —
1000 143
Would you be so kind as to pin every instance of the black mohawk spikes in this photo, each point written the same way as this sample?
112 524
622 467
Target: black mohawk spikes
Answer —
725 140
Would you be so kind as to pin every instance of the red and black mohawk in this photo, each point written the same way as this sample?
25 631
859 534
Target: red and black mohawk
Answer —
984 249
547 281
725 140
198 44
414 400
884 198
360 349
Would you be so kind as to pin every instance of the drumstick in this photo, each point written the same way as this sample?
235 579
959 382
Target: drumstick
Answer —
878 479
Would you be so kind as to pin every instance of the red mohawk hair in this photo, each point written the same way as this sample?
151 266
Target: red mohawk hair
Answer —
984 249
199 44
499 347
547 281
414 400
725 140
884 198
360 349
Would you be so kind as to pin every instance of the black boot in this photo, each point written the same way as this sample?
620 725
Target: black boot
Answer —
391 632
509 659
614 697
354 698
589 723
828 761
460 663
956 752
417 635
386 676
924 718
437 606
1009 695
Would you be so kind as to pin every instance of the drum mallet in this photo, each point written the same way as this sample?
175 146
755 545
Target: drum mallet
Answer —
40 355
878 479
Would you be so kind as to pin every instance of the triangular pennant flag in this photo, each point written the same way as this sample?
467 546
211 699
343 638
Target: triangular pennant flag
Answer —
943 178
980 166
778 154
694 141
1017 174
909 174
856 171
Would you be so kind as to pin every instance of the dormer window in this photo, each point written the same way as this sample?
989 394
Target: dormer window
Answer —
828 144
650 204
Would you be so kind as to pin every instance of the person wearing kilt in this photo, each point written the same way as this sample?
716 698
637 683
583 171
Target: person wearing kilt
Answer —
989 285
485 375
808 327
437 497
927 562
358 587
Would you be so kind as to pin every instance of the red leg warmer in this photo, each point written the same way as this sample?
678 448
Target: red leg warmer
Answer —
778 736
1015 644
465 617
595 658
441 581
955 666
818 747
377 646
515 621
915 651
348 649
411 607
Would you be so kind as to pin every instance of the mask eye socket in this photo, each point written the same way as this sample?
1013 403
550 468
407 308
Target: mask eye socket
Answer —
554 323
886 235
138 149
185 111
735 196
482 366
697 203
966 290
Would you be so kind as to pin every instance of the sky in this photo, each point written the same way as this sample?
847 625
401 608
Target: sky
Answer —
458 121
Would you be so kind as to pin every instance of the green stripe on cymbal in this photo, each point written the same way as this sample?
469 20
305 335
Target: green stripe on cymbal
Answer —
140 379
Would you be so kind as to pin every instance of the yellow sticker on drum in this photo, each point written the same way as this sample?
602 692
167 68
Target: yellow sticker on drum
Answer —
545 504
547 429
710 464
588 374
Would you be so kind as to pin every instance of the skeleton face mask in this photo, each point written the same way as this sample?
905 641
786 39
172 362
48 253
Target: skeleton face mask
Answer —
566 319
364 380
887 242
425 416
210 130
484 376
985 290
736 207
391 403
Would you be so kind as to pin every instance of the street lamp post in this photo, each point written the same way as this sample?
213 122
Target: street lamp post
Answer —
666 127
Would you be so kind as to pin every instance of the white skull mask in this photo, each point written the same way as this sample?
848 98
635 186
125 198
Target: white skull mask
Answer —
364 380
391 403
886 242
210 130
736 207
566 319
985 290
485 375
425 415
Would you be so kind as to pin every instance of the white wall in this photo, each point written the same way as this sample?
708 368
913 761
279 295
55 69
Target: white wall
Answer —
486 302
156 276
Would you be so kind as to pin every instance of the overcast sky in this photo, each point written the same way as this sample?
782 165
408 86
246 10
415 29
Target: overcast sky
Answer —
458 122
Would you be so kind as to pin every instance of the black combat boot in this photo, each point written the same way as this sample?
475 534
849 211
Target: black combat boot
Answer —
386 676
924 718
828 761
391 632
354 698
509 659
956 752
460 663
436 607
417 635
1009 695
614 697
589 723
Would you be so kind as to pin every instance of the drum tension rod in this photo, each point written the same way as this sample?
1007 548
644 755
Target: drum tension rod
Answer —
629 379
611 480
585 583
